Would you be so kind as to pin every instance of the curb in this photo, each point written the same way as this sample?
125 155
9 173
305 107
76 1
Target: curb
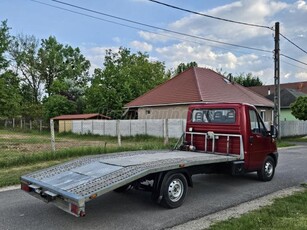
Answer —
10 188
237 211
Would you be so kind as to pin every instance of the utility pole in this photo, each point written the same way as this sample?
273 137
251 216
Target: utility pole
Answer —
277 81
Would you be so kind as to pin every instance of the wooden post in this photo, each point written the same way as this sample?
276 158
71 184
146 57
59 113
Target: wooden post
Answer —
165 131
119 140
40 125
30 125
13 123
52 135
21 123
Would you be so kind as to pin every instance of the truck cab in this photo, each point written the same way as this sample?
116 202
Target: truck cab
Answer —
222 123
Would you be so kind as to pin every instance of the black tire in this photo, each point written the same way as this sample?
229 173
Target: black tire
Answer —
174 190
267 171
123 188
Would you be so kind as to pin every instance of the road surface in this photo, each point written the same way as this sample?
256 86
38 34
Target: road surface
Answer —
135 210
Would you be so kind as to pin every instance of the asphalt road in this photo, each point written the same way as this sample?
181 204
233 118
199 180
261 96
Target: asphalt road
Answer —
134 209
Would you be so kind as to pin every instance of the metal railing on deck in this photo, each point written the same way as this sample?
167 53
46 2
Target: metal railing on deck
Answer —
213 136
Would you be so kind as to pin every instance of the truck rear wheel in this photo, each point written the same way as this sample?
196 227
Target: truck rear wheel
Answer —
266 173
174 190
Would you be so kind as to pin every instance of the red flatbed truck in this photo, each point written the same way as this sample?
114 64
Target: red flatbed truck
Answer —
219 138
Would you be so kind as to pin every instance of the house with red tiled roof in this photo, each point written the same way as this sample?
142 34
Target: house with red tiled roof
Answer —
289 92
195 85
65 121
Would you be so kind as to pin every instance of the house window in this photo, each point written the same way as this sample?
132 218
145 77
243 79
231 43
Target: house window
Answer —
262 114
147 111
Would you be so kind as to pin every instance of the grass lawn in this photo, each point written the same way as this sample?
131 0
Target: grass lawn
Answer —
285 213
23 152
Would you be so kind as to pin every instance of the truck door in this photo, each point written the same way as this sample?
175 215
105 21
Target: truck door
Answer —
259 141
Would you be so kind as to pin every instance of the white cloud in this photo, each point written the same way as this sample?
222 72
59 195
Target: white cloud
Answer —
141 46
292 17
96 55
302 76
301 5
116 39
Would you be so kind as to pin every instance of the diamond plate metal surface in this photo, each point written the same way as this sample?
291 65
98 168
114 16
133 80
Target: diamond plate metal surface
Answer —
102 173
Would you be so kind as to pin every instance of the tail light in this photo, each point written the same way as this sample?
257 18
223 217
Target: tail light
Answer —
25 187
76 210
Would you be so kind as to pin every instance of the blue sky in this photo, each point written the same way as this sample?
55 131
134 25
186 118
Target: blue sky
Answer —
93 36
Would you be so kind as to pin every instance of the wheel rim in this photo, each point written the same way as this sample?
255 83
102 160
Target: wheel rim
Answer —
268 169
175 190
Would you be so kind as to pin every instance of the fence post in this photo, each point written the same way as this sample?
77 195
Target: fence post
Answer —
21 123
13 123
40 125
118 133
165 131
30 125
52 135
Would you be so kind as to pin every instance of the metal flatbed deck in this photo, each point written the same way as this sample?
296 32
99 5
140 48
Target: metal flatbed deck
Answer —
79 180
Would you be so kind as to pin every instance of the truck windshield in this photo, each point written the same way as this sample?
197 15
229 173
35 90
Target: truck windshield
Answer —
214 116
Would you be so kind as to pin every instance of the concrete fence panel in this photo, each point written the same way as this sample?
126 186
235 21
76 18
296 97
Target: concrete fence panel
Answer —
110 128
98 127
176 127
156 127
77 127
293 128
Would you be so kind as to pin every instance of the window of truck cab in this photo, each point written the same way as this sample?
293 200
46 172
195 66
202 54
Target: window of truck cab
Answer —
218 115
256 123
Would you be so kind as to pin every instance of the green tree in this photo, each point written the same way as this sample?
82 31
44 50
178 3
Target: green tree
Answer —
59 63
182 67
10 97
5 40
299 108
246 80
23 50
56 105
125 77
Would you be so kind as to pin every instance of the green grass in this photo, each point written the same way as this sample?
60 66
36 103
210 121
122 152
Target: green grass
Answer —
289 141
285 213
21 152
296 139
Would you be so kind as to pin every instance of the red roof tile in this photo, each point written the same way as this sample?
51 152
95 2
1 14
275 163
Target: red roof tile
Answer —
198 85
81 116
264 89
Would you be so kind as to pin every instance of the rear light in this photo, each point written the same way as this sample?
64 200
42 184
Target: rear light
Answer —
74 209
25 187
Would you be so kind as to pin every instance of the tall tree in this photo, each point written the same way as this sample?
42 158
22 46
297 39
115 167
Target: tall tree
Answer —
182 67
5 40
23 50
58 62
125 76
299 108
10 97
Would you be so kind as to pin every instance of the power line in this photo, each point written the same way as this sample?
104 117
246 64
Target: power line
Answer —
210 16
136 28
159 28
293 43
293 59
293 65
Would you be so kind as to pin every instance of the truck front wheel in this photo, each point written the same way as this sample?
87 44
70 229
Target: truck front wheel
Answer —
267 171
174 190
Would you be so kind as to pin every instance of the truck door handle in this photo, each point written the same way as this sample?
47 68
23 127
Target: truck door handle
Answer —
251 139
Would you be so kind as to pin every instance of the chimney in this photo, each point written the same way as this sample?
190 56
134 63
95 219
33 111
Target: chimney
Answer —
269 91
